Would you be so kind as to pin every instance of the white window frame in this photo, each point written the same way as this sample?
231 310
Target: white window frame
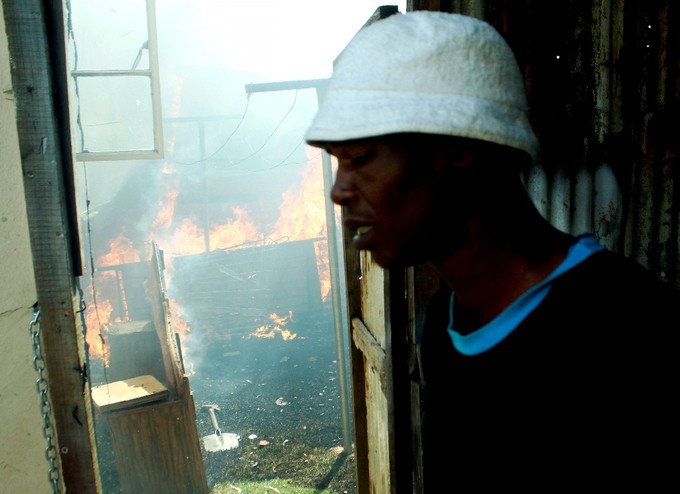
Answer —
154 77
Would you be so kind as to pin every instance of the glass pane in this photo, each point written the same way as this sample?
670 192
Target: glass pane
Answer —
112 33
115 114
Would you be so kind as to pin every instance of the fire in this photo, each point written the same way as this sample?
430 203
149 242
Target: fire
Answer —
164 218
274 327
302 211
301 217
240 231
187 239
323 267
108 286
121 251
177 314
96 341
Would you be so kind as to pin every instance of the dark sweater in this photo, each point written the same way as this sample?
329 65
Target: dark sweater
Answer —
581 394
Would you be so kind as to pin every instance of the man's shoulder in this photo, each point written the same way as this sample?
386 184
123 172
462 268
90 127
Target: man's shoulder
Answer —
617 271
608 280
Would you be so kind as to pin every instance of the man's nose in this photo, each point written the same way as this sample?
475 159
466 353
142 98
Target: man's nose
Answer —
341 192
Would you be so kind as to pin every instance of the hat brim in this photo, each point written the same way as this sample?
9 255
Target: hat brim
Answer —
348 114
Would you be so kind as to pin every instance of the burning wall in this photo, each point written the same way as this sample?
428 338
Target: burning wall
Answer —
231 289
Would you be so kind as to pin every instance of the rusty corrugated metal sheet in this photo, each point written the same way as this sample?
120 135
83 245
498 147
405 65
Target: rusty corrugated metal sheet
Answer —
604 90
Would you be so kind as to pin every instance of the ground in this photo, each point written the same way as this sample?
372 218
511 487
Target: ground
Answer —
282 398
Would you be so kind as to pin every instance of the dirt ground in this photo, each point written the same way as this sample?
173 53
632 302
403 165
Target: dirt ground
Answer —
280 396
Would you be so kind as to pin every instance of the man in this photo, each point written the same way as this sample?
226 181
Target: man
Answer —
547 358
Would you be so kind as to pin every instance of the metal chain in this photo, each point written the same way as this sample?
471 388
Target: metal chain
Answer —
45 407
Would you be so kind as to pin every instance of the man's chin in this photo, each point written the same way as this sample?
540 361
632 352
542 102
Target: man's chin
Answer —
387 260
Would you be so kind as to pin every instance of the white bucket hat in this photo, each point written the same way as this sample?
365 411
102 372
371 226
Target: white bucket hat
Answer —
427 72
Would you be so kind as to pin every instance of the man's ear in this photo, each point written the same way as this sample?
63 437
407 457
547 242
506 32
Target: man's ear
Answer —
449 158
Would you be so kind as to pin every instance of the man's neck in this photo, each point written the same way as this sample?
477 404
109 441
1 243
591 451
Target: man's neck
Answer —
487 276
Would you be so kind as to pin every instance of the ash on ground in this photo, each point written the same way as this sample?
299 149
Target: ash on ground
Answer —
280 395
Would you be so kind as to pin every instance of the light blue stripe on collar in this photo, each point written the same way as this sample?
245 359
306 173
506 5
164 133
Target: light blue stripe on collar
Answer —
495 331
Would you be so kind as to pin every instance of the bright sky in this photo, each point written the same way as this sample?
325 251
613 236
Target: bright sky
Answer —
280 40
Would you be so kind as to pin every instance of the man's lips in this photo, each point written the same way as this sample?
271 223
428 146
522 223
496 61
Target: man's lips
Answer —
360 235
361 232
360 229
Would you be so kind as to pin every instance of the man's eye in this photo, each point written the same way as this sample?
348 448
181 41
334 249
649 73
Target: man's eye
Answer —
361 159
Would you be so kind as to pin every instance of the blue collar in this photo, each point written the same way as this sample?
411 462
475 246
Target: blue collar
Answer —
505 323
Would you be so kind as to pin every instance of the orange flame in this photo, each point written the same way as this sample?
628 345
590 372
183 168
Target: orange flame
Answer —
121 251
302 211
96 340
164 218
187 239
271 329
301 216
180 325
98 317
237 232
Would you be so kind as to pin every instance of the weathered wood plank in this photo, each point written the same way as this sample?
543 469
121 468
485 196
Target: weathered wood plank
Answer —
378 379
162 321
373 353
157 449
35 37
353 277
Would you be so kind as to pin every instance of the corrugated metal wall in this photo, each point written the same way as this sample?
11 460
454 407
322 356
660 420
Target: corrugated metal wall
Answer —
604 90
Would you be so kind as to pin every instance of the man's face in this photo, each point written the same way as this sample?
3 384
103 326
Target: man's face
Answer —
393 190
